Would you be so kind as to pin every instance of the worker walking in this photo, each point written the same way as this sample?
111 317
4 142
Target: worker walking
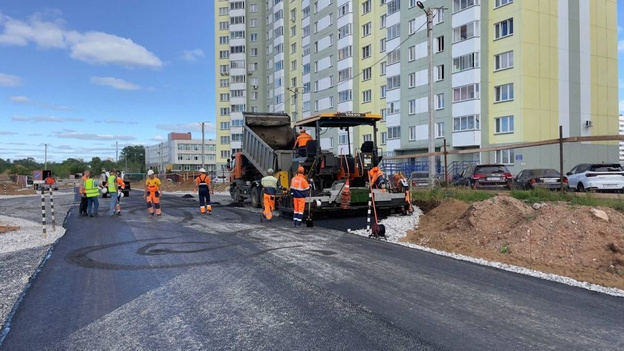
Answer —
82 209
114 184
152 194
92 191
202 183
302 141
299 190
269 187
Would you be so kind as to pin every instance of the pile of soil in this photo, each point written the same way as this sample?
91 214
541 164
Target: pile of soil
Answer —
555 238
7 228
11 188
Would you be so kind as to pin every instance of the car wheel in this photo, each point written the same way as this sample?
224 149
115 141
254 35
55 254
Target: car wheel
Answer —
255 198
580 188
475 186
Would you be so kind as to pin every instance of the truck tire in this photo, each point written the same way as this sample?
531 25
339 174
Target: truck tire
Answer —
255 198
237 197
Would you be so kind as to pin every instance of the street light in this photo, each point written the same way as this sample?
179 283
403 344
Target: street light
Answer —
431 150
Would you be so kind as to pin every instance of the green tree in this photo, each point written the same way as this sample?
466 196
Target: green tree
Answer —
132 158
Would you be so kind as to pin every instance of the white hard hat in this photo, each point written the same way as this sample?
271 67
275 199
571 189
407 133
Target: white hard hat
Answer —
120 194
150 172
104 190
270 170
202 170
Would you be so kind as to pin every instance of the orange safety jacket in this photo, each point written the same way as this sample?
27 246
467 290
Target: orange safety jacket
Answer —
299 186
303 139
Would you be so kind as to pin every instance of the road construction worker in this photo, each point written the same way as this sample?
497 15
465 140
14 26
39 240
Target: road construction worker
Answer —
114 184
302 141
375 177
82 209
92 191
202 183
152 193
299 190
269 186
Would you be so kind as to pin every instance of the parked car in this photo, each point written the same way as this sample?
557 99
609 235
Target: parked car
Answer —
220 180
485 176
539 178
420 179
596 177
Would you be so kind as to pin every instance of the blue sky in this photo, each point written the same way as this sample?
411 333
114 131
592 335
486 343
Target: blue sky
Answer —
81 75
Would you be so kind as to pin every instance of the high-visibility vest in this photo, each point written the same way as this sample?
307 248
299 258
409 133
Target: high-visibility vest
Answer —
112 184
299 186
202 180
303 139
91 189
269 183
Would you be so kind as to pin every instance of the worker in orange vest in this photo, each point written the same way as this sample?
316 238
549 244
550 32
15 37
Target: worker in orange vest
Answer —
299 190
202 182
152 194
302 141
375 177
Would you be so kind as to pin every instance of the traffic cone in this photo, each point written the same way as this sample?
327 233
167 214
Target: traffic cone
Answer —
345 196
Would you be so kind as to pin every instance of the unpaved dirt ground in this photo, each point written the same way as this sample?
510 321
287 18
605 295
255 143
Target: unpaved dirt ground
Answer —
7 228
556 238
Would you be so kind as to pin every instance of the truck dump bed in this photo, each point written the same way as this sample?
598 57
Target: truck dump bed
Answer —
263 135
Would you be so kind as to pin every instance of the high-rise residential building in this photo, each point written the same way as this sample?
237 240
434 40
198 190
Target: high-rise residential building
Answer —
504 71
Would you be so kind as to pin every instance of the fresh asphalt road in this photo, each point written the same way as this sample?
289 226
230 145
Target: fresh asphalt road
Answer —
226 281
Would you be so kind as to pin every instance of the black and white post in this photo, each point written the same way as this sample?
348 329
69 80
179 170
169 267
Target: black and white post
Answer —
43 213
52 210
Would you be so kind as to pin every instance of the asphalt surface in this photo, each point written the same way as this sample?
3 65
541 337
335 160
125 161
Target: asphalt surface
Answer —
226 281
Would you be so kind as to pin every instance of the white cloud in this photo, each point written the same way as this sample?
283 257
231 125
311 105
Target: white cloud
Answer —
7 132
114 83
183 128
72 134
8 80
39 119
157 138
20 99
620 45
20 118
92 47
193 55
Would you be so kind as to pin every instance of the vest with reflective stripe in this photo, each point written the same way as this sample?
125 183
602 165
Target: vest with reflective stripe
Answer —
91 189
202 180
299 186
269 183
112 184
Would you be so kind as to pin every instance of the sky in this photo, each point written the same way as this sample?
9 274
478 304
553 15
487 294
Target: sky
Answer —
80 75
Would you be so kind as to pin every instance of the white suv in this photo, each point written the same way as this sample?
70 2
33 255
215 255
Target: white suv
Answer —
597 176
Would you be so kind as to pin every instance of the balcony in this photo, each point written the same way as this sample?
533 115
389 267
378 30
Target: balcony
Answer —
466 138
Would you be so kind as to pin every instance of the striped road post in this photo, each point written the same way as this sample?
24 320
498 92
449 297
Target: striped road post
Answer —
368 217
52 210
43 213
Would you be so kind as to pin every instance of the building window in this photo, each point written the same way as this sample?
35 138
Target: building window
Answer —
411 25
503 61
253 8
394 133
466 92
411 107
499 3
344 31
225 125
366 29
463 123
393 31
466 62
225 140
411 53
393 82
439 16
460 5
503 29
383 92
342 139
367 73
439 130
382 45
224 111
393 107
224 97
394 6
366 6
224 40
466 31
382 20
384 138
439 73
224 25
505 124
225 154
504 93
504 156
367 137
344 74
343 10
439 101
439 44
382 68
345 52
345 95
412 133
366 51
366 96
383 112
411 80
394 56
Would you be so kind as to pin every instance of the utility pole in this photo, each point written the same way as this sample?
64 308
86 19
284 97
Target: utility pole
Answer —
431 162
45 156
295 92
203 163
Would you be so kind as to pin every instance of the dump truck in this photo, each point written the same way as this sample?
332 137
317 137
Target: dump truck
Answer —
268 142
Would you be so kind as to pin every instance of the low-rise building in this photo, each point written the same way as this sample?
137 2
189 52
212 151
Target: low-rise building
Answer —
181 153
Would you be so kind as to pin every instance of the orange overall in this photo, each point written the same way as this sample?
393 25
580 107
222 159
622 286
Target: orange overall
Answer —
152 195
299 188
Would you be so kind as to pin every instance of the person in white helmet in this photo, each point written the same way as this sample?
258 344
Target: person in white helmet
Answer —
152 194
203 184
269 187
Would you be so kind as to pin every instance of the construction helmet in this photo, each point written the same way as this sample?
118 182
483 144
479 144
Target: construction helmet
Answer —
202 170
270 171
150 172
300 170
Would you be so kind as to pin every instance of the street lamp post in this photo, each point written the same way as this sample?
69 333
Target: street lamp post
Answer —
429 12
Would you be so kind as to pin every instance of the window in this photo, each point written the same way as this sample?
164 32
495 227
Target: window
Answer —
344 31
439 44
411 80
343 10
237 79
224 25
367 137
224 83
254 52
394 6
384 138
411 25
504 157
394 132
463 123
412 133
382 91
293 65
499 3
224 111
466 92
237 49
224 97
366 29
342 139
293 15
393 107
305 12
382 20
345 52
306 68
439 130
344 74
366 6
367 73
466 31
224 40
382 68
382 45
239 5
504 93
293 31
253 8
439 16
345 95
394 82
254 95
503 29
503 60
460 5
505 124
366 51
253 23
225 140
237 20
465 62
239 34
383 112
439 101
393 31
411 53
411 110
394 56
293 48
439 73
366 96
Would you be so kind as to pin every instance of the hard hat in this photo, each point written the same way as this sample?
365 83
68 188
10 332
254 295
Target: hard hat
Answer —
202 170
120 194
104 190
300 170
150 172
270 170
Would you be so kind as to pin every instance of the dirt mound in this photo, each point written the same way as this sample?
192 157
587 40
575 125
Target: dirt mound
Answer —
556 238
7 228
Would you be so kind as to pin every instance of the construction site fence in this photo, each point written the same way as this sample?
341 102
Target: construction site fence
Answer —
560 154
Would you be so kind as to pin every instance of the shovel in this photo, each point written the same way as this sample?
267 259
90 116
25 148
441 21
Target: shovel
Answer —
309 222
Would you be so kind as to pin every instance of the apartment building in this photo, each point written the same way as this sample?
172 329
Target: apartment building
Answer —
180 153
505 71
622 142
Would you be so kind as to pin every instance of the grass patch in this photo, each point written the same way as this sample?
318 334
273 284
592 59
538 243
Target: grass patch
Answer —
463 194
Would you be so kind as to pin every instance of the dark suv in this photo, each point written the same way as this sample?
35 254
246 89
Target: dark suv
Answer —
485 176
